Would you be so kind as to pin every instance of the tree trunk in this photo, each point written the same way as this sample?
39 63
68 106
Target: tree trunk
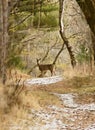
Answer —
40 8
0 34
4 38
88 8
62 33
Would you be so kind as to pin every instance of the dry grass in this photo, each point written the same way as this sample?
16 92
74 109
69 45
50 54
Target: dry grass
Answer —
11 105
78 80
78 71
73 85
41 96
45 98
13 109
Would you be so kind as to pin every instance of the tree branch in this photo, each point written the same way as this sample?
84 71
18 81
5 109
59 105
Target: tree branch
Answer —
21 21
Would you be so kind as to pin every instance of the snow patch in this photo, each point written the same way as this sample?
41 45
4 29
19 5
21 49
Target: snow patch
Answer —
91 127
68 101
46 80
71 116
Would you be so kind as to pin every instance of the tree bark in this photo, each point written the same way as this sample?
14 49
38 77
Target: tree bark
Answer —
4 38
62 33
88 8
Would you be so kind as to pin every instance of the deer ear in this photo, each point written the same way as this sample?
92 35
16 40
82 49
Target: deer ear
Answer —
38 59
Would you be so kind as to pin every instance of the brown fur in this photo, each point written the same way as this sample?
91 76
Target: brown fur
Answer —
45 67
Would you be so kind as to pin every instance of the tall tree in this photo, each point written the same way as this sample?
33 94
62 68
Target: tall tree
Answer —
62 33
88 8
4 37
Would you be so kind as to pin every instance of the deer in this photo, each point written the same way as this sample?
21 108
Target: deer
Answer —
45 67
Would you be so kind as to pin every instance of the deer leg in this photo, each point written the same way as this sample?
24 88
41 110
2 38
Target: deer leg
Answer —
54 69
51 72
42 73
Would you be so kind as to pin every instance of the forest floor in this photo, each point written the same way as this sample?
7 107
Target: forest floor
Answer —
64 104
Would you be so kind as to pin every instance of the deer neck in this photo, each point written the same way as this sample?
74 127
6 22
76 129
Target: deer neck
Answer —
38 63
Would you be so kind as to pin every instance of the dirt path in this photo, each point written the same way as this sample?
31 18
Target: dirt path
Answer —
46 80
72 115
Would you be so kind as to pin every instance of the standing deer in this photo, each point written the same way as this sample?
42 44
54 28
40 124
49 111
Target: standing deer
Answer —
45 67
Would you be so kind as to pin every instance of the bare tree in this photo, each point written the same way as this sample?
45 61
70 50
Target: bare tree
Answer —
4 38
62 33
